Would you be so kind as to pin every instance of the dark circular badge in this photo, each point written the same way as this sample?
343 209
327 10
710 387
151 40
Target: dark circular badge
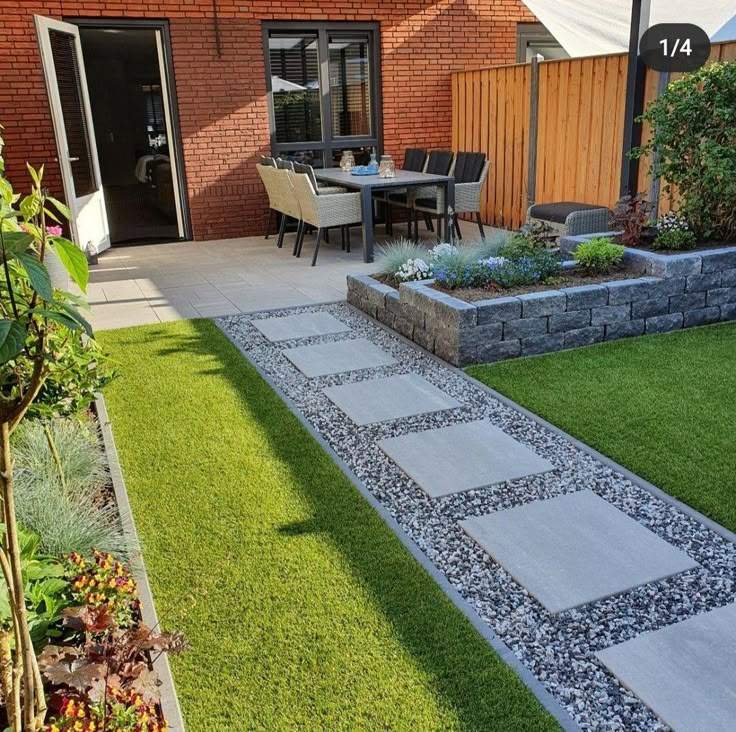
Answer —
674 47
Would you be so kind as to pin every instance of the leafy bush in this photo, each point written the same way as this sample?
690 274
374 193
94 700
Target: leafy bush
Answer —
675 239
396 253
70 517
599 255
631 216
692 125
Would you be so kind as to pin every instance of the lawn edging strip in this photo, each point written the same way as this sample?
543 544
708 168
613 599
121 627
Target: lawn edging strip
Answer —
628 474
549 703
169 699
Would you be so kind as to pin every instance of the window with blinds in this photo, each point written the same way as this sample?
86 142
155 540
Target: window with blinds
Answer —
66 65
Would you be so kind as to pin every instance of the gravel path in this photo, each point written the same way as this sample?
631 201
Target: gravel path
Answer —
557 648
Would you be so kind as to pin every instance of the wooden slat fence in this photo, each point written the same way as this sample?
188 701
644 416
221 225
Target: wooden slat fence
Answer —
579 130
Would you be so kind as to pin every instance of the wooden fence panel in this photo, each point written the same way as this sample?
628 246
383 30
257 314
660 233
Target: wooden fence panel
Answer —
579 130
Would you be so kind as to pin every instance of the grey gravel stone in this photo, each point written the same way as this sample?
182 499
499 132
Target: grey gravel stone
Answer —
524 328
610 314
558 649
539 304
664 323
703 316
584 336
569 320
498 310
585 296
625 329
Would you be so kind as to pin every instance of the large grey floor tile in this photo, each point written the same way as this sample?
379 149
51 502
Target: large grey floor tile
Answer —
303 325
686 672
379 400
334 358
574 549
461 457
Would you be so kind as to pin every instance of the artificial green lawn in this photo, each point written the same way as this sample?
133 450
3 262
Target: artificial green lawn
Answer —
662 406
304 611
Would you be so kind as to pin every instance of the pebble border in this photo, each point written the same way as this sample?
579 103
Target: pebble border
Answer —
557 649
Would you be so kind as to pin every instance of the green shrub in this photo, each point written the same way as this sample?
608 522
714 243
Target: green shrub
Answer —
675 239
395 253
71 517
692 124
598 256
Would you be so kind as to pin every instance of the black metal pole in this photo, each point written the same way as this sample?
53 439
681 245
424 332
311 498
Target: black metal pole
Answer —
635 78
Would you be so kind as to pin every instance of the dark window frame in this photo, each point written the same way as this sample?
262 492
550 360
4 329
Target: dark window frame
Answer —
163 26
329 141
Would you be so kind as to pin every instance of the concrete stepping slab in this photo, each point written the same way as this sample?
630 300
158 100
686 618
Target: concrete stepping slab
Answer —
302 325
395 397
575 549
323 359
464 456
685 673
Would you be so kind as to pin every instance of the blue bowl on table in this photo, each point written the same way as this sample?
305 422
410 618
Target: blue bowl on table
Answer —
365 170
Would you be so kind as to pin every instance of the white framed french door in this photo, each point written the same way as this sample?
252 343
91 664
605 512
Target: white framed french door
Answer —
66 83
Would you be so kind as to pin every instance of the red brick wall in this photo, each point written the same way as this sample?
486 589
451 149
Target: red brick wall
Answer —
222 101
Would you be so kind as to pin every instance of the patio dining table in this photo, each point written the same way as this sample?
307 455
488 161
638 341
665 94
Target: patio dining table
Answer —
368 184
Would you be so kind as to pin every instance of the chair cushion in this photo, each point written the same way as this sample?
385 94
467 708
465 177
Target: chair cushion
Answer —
469 166
558 212
439 162
267 161
426 203
306 170
414 159
398 198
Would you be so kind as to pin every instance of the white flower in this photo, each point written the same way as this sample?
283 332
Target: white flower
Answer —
414 269
441 250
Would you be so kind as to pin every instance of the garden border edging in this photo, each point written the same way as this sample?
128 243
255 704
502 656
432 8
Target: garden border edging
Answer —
505 653
169 700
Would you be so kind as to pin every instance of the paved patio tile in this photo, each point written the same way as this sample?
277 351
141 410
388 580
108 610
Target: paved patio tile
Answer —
304 325
380 400
685 673
574 549
462 457
334 358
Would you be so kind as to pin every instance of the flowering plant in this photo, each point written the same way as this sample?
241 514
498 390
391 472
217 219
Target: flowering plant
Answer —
104 582
672 221
414 269
442 250
517 272
121 711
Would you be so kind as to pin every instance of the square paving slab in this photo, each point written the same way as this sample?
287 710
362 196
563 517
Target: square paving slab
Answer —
334 358
575 549
462 457
380 400
303 325
685 673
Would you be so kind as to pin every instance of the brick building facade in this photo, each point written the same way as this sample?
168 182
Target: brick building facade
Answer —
222 99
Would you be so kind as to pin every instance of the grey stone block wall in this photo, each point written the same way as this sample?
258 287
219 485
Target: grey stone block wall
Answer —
700 289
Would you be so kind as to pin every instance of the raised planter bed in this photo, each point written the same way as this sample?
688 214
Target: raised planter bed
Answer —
676 291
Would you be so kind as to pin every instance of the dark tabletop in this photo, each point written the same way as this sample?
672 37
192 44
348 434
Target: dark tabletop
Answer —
403 178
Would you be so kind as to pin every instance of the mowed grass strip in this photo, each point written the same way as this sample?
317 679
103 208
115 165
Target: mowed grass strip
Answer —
303 609
663 406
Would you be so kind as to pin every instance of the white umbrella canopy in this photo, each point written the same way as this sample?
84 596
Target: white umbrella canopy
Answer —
597 27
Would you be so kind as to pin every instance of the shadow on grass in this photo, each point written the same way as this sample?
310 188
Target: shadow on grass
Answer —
467 675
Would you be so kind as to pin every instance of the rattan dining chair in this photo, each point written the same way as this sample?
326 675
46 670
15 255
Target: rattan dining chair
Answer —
266 174
439 162
322 212
415 158
470 171
288 205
